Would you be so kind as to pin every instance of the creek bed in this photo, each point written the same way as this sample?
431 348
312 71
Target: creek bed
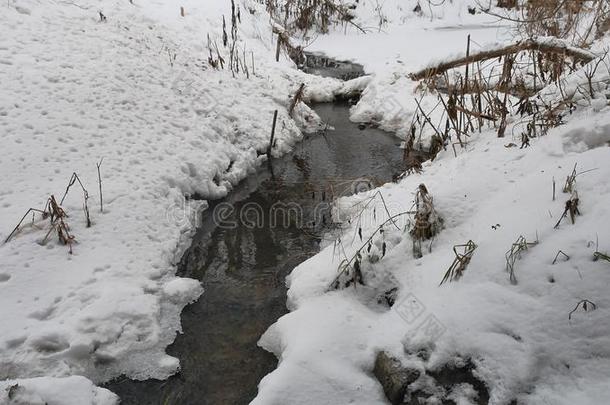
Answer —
245 247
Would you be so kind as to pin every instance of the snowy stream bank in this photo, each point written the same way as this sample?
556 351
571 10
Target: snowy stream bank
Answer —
246 246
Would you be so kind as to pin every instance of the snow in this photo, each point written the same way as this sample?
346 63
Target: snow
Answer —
522 339
408 39
405 43
575 86
76 90
519 336
74 390
137 90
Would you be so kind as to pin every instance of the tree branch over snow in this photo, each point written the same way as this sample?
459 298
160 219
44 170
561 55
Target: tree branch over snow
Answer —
551 45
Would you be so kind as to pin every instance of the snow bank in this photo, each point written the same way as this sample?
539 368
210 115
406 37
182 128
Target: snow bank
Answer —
522 339
135 89
411 38
406 42
594 77
518 336
73 390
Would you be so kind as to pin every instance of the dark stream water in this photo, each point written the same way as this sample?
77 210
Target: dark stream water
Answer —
268 224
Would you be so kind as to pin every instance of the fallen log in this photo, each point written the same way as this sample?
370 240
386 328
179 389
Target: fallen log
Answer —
548 45
475 114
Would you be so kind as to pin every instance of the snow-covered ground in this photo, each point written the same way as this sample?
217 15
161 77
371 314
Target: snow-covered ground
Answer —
74 390
137 90
405 43
526 344
519 336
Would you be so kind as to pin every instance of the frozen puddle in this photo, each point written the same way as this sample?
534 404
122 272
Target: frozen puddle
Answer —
246 246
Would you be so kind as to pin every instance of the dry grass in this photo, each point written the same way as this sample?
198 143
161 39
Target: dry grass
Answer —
483 90
521 245
350 268
461 261
310 15
427 222
578 21
57 216
480 89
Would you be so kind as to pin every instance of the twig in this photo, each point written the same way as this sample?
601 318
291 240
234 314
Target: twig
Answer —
344 265
520 245
457 268
585 305
73 179
568 187
272 135
528 44
428 119
571 207
378 193
99 180
560 253
600 255
43 213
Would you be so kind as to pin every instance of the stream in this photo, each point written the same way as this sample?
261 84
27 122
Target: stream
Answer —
249 242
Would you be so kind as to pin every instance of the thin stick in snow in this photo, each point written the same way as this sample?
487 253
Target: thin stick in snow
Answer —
73 179
272 134
43 213
600 255
560 253
585 304
570 181
277 49
99 180
464 89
